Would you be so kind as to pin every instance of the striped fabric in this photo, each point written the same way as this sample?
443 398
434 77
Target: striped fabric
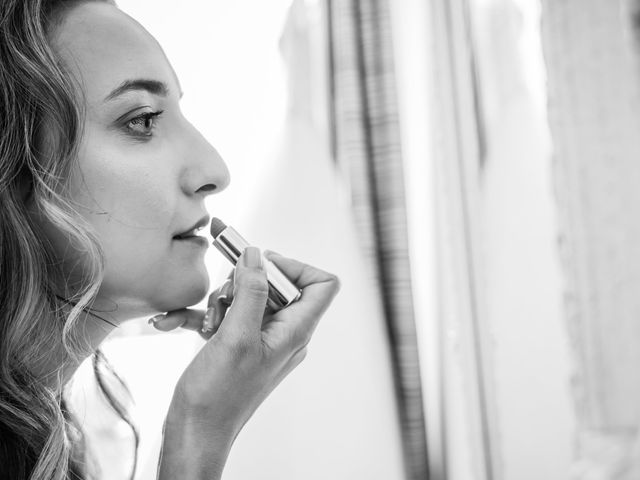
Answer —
366 144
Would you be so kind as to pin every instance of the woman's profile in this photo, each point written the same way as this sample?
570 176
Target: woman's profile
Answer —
102 189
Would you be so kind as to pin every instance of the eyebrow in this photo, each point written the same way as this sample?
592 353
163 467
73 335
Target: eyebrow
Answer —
152 86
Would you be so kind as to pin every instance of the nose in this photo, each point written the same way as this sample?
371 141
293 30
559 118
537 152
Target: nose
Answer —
206 171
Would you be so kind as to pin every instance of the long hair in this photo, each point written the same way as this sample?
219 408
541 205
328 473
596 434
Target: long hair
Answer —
41 118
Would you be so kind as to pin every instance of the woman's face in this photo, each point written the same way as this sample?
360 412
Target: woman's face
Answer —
144 170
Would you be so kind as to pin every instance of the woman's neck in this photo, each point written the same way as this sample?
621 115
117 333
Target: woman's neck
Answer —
90 329
91 332
57 366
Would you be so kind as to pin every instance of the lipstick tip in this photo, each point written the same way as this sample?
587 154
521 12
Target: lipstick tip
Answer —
217 226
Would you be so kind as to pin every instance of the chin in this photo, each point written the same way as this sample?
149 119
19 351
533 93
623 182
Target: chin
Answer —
184 291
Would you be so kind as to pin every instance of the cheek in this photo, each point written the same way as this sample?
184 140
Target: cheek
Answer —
131 199
133 204
130 209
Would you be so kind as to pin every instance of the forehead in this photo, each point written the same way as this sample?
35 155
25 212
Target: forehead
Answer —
103 47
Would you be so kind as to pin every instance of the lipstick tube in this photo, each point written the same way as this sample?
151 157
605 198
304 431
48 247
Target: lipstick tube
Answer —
230 243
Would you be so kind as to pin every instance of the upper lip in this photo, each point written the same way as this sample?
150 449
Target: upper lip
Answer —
190 232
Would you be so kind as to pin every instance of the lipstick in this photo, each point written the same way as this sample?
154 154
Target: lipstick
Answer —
282 292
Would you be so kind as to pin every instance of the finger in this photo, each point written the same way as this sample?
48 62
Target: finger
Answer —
302 317
219 314
217 305
301 274
314 302
225 294
207 321
185 318
221 304
249 295
317 286
230 275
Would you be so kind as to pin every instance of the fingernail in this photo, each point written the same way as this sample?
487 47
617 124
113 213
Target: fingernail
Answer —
157 318
252 257
207 322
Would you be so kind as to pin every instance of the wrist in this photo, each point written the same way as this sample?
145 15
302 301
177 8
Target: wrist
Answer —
192 450
207 421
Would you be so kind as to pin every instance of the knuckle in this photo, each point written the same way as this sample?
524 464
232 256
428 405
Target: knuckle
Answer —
335 280
224 290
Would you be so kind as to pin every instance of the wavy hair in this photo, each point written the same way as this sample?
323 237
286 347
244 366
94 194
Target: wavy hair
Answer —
41 118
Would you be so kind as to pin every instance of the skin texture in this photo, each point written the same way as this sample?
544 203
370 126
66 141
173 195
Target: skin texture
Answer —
140 181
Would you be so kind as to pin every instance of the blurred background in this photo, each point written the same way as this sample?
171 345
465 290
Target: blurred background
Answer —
469 169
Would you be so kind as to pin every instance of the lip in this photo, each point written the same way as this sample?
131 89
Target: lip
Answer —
199 224
195 241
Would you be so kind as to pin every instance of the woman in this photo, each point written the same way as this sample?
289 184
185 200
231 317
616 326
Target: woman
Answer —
101 177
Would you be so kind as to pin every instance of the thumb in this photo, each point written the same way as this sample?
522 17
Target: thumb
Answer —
249 296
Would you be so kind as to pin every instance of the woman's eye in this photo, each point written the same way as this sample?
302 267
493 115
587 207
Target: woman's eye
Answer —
143 124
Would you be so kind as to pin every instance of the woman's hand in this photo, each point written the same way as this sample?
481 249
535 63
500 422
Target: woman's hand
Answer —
206 323
247 357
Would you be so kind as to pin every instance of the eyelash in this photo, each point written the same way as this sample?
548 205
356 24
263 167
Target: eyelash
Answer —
143 119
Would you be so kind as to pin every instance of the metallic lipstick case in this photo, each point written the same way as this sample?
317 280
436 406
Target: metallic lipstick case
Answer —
282 292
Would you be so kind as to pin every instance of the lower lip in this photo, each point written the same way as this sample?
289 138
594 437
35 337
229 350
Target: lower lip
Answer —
196 241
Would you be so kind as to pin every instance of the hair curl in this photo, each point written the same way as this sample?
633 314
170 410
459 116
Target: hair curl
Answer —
41 118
